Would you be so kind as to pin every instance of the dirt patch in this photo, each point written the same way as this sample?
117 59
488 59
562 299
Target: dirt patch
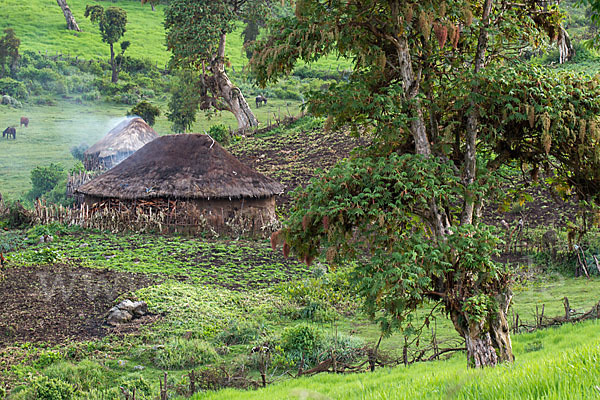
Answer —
54 303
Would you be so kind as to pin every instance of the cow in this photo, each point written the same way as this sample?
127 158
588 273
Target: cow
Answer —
24 121
260 99
9 131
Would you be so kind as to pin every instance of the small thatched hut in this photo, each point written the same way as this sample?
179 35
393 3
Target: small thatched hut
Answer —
187 180
119 143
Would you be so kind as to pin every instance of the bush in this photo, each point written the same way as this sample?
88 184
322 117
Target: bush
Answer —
52 389
238 333
181 354
146 111
302 342
220 133
77 151
44 179
16 216
47 358
13 88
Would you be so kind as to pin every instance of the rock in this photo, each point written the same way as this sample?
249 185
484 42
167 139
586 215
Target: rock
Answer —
140 309
117 317
126 305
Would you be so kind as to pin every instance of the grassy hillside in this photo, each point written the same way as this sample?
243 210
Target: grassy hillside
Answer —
41 26
554 364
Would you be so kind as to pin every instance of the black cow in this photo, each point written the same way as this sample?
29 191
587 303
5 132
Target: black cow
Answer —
260 99
9 131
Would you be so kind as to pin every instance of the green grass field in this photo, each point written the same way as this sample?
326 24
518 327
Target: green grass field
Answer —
564 365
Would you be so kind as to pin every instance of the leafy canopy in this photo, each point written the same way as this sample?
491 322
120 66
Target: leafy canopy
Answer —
111 22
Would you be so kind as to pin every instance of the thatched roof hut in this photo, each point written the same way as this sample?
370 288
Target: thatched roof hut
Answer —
118 144
195 170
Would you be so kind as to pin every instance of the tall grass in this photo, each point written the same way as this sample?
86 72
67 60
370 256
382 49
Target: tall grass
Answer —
565 366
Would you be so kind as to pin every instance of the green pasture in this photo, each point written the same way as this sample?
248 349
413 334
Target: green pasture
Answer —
563 364
41 26
53 130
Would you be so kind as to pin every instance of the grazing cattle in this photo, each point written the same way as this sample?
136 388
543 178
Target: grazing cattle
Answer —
9 131
260 99
24 121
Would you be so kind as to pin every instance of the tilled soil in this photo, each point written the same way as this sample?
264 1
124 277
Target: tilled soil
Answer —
55 303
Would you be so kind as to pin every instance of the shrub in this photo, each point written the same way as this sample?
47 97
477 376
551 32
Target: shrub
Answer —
220 133
180 353
47 358
77 151
13 88
302 342
147 111
52 389
238 333
44 179
16 216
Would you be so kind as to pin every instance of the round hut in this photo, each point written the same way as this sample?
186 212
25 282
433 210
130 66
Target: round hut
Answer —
186 181
119 143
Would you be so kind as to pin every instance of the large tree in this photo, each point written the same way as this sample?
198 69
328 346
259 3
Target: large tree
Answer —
71 23
112 24
432 89
196 36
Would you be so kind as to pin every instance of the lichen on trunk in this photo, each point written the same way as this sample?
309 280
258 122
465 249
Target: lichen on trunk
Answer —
487 339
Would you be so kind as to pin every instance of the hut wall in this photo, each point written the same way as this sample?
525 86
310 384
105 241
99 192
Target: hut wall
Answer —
95 163
253 215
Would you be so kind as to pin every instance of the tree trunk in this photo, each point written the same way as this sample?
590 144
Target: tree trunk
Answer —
221 87
113 65
565 47
473 121
71 23
487 341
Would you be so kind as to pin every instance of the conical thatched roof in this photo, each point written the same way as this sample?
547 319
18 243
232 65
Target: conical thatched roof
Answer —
127 137
188 166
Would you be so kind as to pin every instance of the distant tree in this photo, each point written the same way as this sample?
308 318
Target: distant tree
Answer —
184 101
249 35
112 23
71 23
146 111
196 33
9 51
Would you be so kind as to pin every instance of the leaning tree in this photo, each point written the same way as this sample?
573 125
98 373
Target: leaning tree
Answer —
71 23
196 34
428 90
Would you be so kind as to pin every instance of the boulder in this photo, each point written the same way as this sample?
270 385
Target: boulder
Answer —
126 310
116 316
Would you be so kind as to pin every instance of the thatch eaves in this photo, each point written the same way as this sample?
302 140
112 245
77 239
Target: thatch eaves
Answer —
127 137
189 166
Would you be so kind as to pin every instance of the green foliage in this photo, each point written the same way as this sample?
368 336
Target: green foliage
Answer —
180 353
77 151
52 389
13 88
111 22
45 179
9 51
146 111
239 332
16 216
302 342
184 101
47 358
220 133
